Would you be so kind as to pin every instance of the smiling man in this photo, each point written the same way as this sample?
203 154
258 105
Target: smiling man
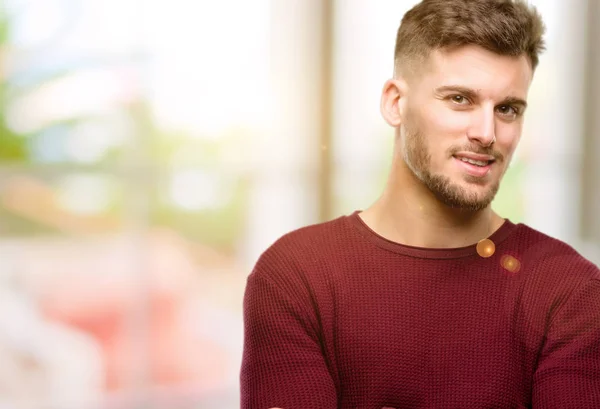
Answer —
428 298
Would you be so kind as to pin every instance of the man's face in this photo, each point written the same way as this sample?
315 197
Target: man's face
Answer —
462 118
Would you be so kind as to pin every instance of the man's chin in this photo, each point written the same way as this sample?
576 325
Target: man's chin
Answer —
473 206
467 206
469 201
462 195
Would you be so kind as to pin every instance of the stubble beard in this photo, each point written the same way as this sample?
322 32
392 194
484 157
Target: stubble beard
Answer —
418 160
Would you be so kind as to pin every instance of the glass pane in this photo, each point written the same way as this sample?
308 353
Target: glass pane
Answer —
67 81
60 204
126 190
67 278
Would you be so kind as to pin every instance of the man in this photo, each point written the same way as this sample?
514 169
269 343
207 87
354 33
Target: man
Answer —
428 299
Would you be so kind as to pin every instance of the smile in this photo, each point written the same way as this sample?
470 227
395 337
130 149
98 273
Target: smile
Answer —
476 167
475 162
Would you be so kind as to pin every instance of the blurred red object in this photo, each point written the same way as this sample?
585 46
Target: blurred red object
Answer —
137 323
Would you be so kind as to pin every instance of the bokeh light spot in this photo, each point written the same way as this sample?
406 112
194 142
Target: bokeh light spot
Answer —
486 248
511 264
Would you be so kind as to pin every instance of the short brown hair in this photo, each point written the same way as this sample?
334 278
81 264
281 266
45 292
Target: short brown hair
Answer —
506 27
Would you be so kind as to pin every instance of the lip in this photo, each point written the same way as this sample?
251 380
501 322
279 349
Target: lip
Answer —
474 170
474 156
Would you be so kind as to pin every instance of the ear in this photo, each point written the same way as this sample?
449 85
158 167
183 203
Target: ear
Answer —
393 97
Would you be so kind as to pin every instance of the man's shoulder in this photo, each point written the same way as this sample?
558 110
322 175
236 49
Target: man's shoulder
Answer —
552 253
314 235
307 245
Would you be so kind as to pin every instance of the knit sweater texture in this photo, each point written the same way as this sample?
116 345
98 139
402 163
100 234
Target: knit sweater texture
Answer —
337 316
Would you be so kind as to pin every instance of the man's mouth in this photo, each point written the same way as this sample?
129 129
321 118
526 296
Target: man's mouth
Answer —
475 162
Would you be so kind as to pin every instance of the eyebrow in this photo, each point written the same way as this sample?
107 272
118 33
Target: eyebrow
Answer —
472 94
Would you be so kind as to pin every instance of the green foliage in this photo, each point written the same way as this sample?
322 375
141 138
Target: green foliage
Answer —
13 147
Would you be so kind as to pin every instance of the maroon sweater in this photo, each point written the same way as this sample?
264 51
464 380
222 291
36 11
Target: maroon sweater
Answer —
337 316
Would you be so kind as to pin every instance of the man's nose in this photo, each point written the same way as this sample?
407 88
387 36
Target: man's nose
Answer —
482 128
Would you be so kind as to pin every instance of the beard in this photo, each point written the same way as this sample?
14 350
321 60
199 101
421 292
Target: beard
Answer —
418 160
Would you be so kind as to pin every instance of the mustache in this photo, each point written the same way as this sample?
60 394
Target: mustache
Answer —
478 149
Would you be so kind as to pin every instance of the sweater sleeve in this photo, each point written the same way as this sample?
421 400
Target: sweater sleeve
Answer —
568 373
283 365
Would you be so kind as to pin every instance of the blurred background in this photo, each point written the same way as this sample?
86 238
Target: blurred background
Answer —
150 151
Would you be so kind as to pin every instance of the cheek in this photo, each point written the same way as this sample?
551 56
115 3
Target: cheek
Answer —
442 123
508 136
441 128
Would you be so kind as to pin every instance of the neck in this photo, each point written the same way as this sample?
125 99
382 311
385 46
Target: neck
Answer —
408 213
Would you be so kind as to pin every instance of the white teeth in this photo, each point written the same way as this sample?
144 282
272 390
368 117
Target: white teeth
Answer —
474 162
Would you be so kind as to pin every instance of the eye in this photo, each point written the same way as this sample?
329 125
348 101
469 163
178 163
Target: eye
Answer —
508 110
459 99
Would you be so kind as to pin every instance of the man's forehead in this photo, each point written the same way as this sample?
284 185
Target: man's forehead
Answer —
479 69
